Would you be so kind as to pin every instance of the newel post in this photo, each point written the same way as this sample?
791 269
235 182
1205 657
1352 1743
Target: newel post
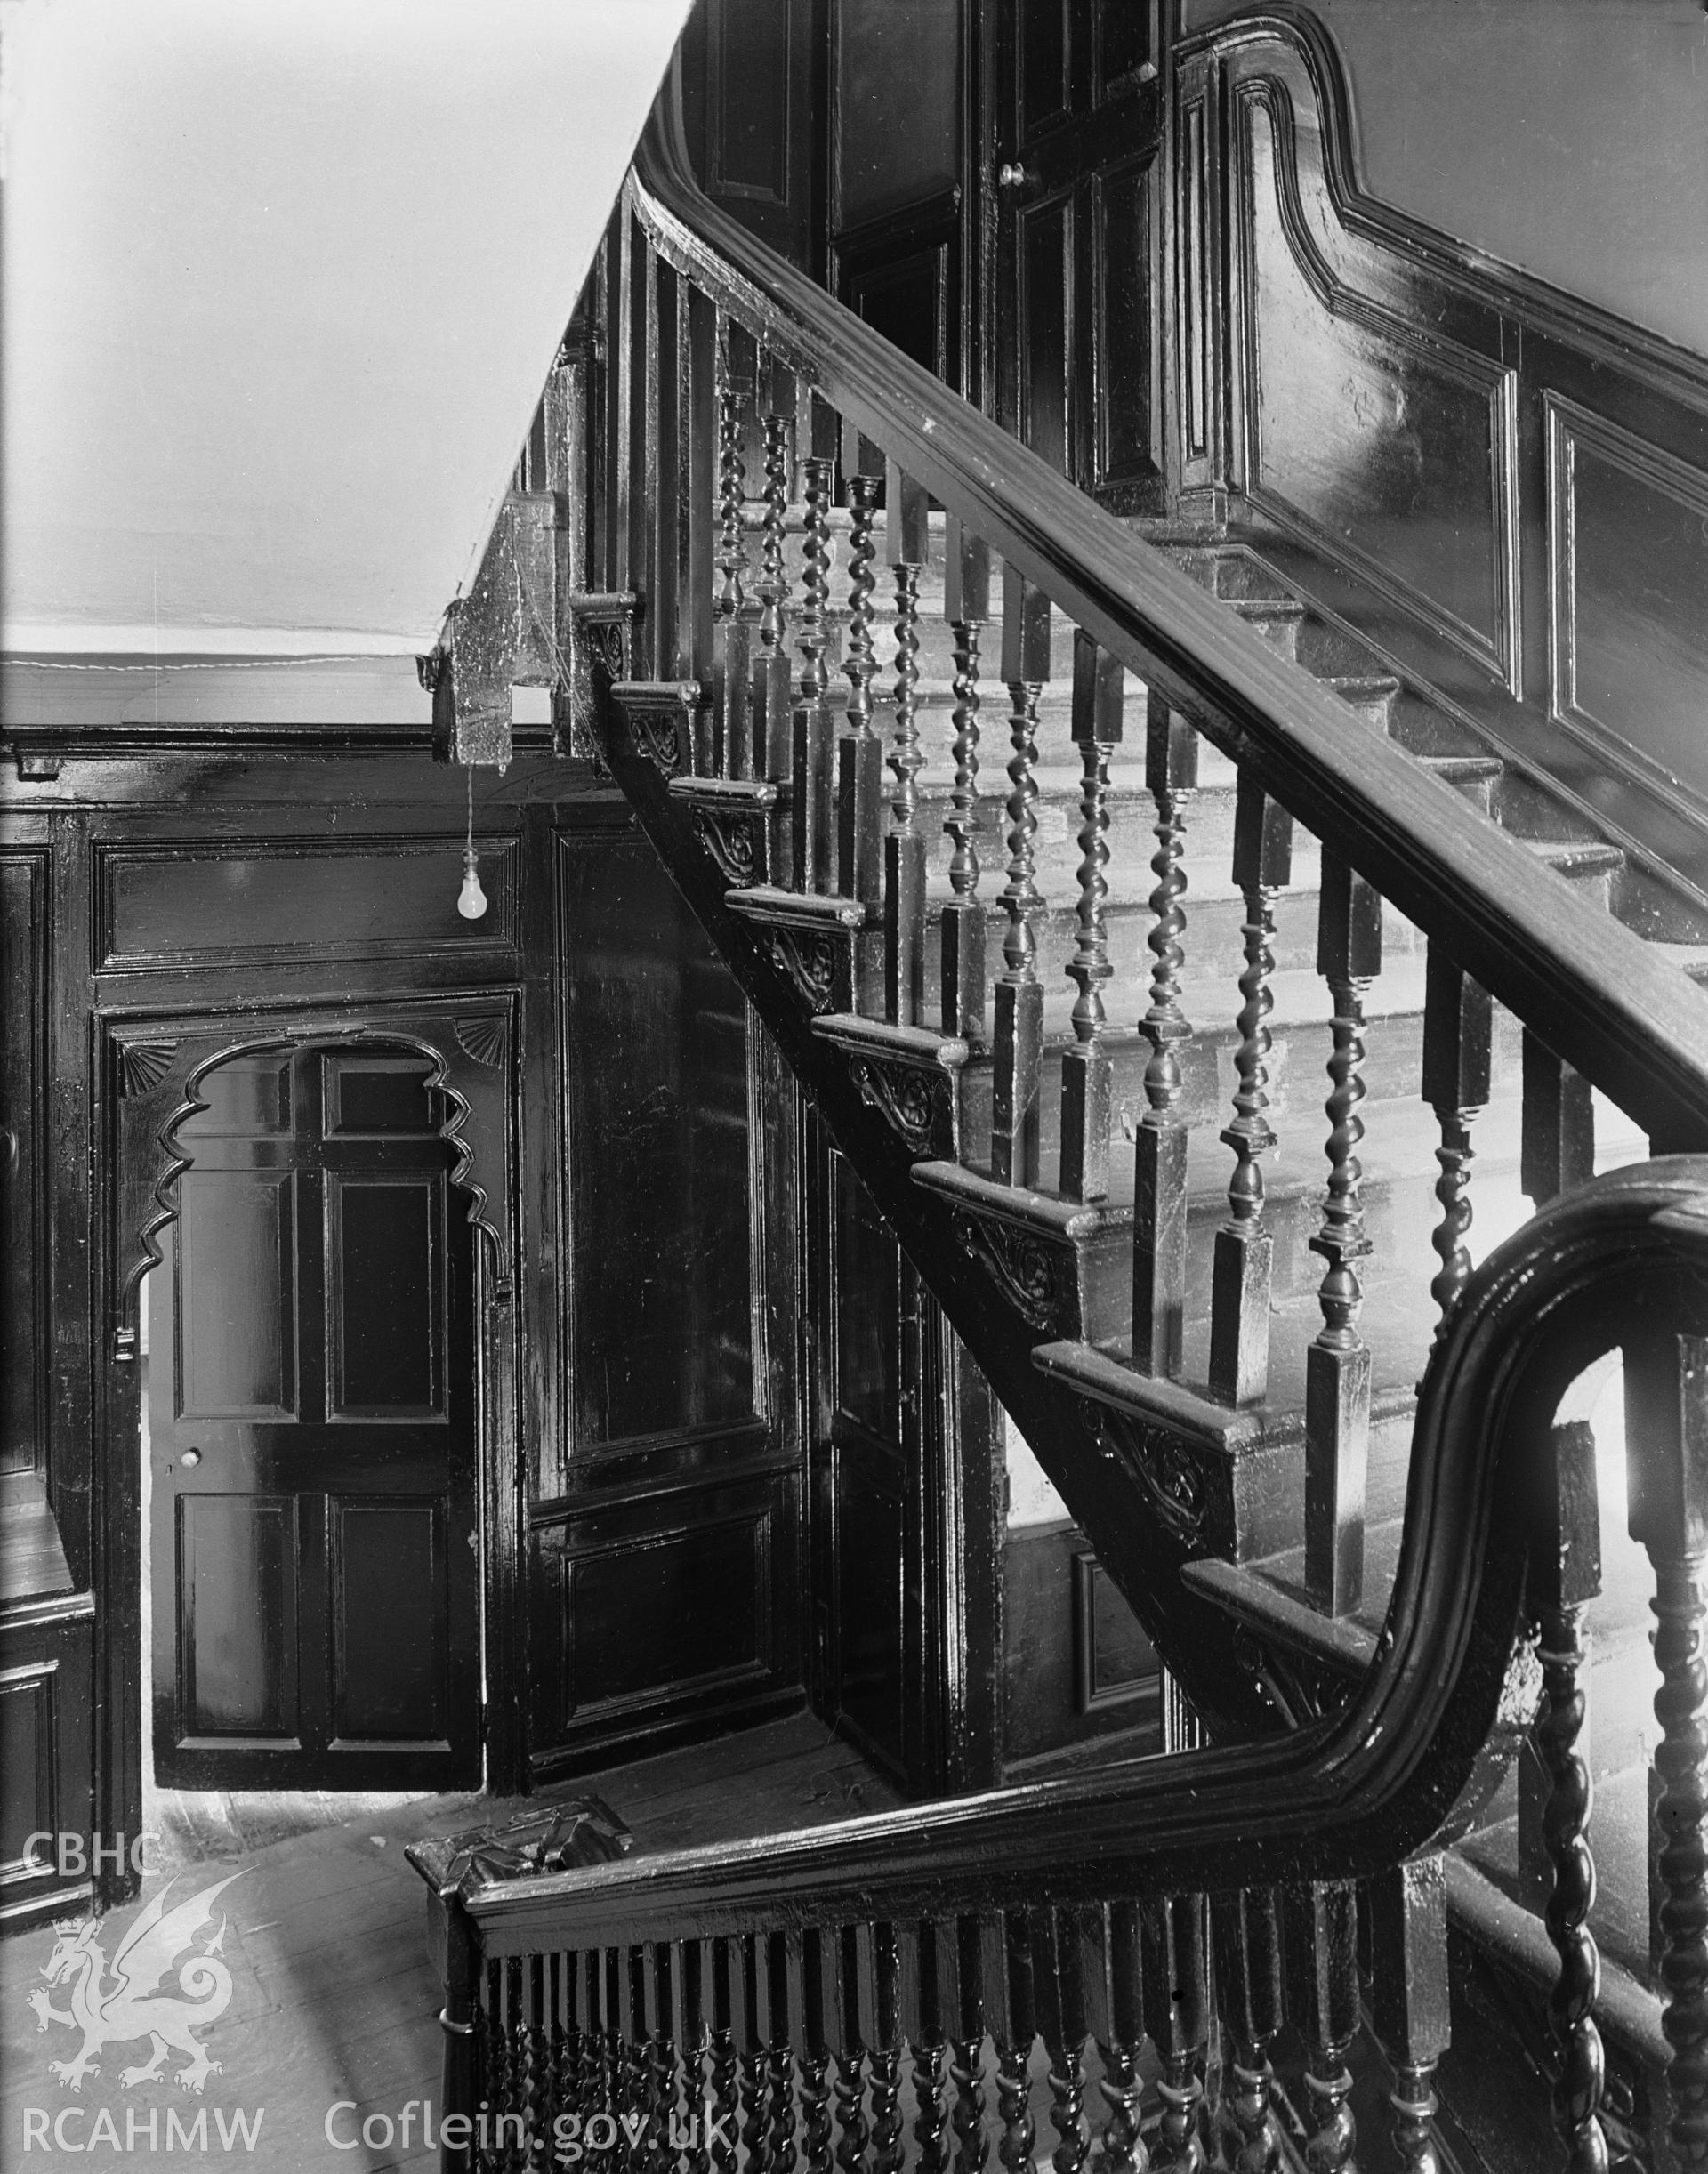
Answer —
454 1952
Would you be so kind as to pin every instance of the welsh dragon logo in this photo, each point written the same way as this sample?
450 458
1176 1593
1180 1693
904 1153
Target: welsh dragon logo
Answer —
133 2005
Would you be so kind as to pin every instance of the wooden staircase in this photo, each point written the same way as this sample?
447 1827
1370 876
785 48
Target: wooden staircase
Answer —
1184 1152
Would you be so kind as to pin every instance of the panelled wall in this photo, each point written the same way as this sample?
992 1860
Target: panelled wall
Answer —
618 1134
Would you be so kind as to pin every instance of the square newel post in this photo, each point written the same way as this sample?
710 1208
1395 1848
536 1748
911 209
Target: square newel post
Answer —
904 859
1159 1188
1017 1030
966 607
1337 1366
1099 686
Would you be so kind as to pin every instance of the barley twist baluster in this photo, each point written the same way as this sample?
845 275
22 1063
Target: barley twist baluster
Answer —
1019 1023
731 653
774 725
931 2123
1068 2109
904 867
887 2148
1086 1071
966 606
1014 2099
1337 1368
1239 1305
860 754
966 2072
1124 2145
1407 1908
1159 1198
1177 2005
813 741
1322 1961
1458 1042
1248 1977
850 2110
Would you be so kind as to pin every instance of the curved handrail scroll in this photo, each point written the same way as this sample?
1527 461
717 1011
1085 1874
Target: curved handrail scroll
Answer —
1402 1771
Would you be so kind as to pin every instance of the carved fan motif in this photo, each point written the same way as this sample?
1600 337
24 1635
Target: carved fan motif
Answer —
1016 1262
486 1038
143 1064
905 1097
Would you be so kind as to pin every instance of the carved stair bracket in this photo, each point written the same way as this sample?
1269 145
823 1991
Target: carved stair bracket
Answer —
733 842
916 1104
1163 1464
1297 1687
601 656
143 1064
1017 1262
809 959
486 1038
658 717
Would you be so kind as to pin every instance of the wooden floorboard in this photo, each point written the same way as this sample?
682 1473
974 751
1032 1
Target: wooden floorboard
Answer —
332 1999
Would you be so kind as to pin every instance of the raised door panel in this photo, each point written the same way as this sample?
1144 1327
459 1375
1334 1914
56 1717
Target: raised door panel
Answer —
386 1301
236 1264
237 1619
389 1599
46 1715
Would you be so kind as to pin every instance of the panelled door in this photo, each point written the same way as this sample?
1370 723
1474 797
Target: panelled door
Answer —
315 1572
1080 191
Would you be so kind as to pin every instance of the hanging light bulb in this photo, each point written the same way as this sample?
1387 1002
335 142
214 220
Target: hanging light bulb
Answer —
470 900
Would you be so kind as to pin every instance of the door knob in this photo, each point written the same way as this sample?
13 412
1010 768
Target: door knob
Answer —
1013 175
191 1459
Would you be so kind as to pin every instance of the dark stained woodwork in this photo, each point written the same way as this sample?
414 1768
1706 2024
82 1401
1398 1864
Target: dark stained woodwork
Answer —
47 1730
1078 207
1501 483
314 1435
24 937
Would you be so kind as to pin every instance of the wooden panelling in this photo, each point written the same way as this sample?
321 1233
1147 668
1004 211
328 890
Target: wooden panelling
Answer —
1128 325
1077 1665
281 900
386 1297
1630 535
45 1722
896 133
907 293
656 1160
1392 446
238 1235
23 998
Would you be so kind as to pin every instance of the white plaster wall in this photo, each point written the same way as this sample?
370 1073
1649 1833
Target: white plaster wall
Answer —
282 281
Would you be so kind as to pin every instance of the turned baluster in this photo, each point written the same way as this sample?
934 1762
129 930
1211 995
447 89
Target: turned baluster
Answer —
1565 1576
820 2031
966 606
1337 1366
1666 1428
723 2102
751 2067
1458 1042
1239 1297
1118 2040
773 691
1248 1980
1086 1071
939 2007
885 2056
1323 1973
695 2026
1016 2028
1557 1142
1067 1969
904 861
731 634
1407 1908
1177 2020
1159 1193
780 2031
980 1953
859 788
860 2035
1018 1032
813 820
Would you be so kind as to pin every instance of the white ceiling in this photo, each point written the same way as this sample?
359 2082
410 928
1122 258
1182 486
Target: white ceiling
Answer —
282 281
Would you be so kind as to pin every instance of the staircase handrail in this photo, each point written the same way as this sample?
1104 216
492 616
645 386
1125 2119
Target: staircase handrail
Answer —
1625 1017
1401 1771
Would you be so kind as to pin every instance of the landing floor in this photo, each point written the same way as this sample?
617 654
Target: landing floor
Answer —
331 2000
